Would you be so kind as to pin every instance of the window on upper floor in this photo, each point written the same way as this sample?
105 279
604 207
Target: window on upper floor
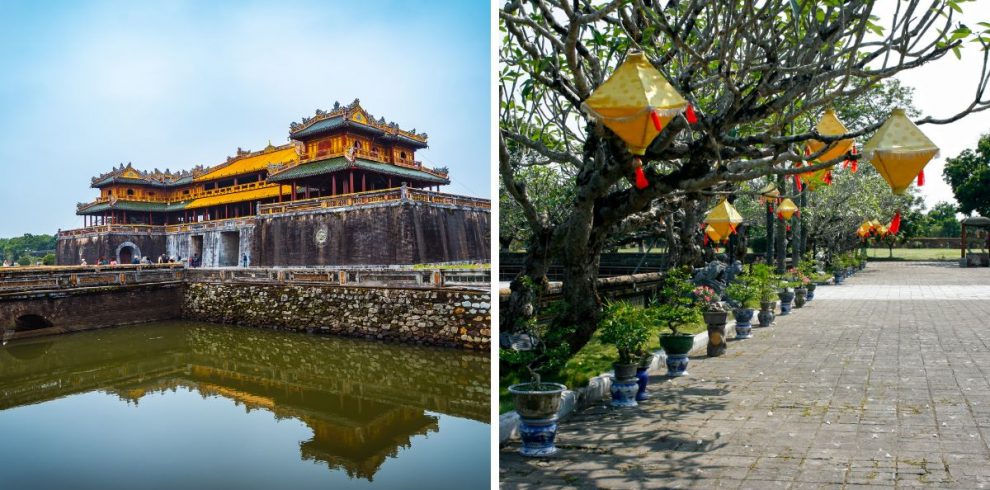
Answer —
402 155
130 192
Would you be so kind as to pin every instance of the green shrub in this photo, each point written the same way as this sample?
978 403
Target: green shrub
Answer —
628 328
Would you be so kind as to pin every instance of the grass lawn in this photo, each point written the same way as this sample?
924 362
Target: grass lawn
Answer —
950 254
593 359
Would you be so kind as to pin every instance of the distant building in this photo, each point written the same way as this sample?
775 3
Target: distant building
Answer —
347 190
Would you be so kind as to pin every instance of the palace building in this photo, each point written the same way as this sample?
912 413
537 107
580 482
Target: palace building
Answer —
347 189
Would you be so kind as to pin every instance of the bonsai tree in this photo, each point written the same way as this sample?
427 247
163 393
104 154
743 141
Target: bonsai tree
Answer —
537 349
765 280
628 328
742 294
675 307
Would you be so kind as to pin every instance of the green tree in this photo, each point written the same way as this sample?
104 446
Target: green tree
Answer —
48 259
969 176
942 221
749 69
14 248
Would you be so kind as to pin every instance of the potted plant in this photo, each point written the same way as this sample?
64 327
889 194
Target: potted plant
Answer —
839 270
765 281
628 328
716 315
786 296
808 267
537 402
744 298
800 282
674 309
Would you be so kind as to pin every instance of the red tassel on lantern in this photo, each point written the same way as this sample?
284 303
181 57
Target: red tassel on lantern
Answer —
780 216
921 178
855 166
656 120
828 178
690 115
895 224
641 181
788 227
705 240
797 182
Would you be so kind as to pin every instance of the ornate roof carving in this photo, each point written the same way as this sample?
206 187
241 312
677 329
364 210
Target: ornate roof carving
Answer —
155 176
347 112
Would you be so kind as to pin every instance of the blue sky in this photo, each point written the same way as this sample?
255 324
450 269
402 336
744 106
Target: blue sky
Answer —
172 84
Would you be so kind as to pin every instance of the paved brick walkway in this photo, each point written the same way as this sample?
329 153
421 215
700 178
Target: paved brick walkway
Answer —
883 381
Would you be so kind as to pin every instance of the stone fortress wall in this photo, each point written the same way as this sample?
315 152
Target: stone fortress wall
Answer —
391 233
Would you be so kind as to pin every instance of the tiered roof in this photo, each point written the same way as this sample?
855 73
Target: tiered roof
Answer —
129 175
352 116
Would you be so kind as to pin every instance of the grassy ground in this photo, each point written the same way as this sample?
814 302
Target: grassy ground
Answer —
593 359
950 254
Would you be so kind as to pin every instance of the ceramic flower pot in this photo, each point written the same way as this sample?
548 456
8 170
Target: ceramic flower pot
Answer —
677 347
744 323
643 377
800 297
786 296
766 315
839 277
624 385
537 407
811 291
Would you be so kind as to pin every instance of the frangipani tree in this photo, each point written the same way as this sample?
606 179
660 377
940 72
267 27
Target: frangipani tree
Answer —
748 68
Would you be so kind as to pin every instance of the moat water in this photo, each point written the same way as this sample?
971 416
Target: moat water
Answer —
189 405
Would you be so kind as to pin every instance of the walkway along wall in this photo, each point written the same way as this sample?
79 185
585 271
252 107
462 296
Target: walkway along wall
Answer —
431 307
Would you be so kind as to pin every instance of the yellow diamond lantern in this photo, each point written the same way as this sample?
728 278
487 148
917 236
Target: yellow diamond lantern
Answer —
899 151
636 102
712 234
787 208
830 125
723 218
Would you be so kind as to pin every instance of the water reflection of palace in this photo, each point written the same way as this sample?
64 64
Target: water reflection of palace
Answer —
363 401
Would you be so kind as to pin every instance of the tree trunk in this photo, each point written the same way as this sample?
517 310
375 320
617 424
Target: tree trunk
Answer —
527 286
690 252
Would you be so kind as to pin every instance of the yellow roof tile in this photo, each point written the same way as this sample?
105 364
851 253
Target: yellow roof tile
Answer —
250 164
243 196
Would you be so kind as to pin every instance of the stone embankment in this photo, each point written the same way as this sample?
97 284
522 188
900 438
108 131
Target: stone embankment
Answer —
447 317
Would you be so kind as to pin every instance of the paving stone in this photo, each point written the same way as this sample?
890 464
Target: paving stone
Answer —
880 382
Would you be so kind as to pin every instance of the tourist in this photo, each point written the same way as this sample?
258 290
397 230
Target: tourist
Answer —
113 262
83 262
145 260
244 260
135 260
194 261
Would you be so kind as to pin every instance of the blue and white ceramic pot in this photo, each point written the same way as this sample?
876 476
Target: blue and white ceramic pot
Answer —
537 406
744 323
